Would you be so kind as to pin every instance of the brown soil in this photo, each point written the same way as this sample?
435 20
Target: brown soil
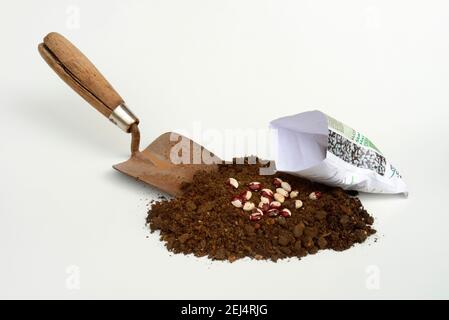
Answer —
204 222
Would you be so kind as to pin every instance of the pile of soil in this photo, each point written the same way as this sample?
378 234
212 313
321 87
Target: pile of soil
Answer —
203 221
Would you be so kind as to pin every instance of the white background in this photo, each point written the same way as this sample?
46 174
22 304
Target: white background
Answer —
380 66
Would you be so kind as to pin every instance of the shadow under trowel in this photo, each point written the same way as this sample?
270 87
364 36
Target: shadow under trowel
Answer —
129 183
72 120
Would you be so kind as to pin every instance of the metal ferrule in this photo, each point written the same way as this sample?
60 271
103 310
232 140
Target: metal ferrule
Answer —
123 118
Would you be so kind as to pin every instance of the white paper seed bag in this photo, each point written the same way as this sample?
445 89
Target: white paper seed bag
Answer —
317 147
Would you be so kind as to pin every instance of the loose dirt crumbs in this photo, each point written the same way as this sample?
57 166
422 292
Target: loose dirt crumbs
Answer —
281 216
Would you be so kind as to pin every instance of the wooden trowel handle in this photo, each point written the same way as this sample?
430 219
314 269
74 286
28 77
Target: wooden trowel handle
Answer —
72 66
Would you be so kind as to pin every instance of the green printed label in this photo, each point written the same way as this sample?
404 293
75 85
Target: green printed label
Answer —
350 133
